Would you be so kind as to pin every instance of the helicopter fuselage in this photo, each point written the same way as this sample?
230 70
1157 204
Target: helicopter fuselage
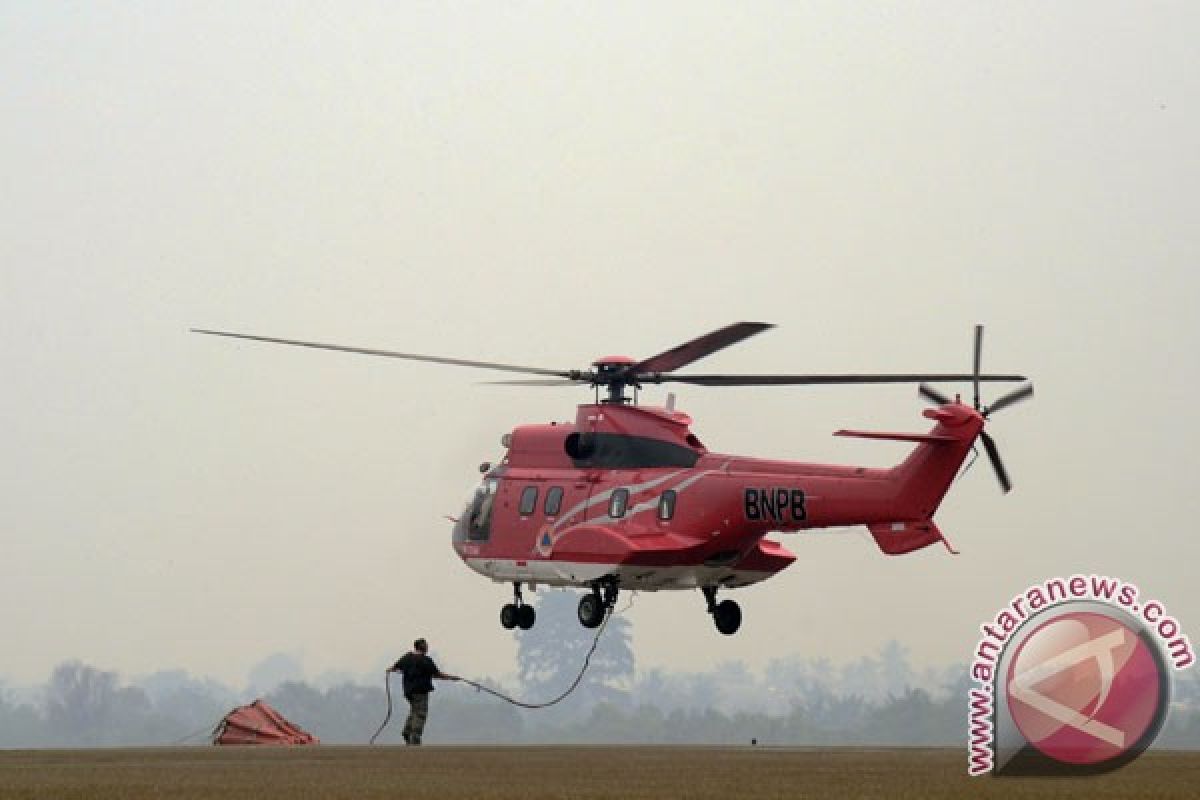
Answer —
628 495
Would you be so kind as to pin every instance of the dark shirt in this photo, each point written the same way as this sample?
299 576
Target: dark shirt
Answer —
418 670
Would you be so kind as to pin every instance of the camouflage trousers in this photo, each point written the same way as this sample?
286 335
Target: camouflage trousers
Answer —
418 712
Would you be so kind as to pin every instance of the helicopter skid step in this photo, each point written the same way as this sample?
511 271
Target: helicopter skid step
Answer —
629 576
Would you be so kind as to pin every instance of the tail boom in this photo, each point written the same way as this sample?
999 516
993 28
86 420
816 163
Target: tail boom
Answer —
923 478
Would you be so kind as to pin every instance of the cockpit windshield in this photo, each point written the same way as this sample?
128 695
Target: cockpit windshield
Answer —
476 522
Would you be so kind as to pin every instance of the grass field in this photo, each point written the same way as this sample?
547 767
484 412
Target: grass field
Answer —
529 773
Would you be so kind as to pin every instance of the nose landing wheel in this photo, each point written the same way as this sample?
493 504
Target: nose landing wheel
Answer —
516 614
727 615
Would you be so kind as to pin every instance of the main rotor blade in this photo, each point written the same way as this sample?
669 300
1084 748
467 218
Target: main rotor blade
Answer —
813 380
932 395
457 362
538 382
1013 397
978 358
698 348
994 456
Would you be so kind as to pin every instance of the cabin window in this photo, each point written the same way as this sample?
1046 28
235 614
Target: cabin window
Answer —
618 503
528 501
666 505
554 501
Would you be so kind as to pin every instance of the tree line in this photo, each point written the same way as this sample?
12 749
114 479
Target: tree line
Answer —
879 699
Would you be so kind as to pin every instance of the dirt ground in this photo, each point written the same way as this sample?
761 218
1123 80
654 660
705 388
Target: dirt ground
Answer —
532 773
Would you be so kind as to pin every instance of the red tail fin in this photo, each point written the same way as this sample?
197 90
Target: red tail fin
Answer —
923 478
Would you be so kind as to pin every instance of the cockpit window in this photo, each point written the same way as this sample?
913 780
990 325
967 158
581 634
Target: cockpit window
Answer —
479 515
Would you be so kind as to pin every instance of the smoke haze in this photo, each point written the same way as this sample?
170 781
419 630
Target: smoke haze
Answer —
545 185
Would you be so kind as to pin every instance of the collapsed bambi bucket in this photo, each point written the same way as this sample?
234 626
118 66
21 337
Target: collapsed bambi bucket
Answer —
258 723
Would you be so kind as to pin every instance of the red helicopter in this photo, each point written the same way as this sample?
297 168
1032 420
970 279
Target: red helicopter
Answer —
627 496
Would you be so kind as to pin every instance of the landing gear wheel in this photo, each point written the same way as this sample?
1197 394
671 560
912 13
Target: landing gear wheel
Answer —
727 616
591 610
509 616
526 617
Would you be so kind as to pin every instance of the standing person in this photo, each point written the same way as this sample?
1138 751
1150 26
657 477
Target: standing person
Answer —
419 671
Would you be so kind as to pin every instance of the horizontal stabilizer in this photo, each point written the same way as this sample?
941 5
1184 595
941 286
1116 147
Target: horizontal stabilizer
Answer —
898 538
898 437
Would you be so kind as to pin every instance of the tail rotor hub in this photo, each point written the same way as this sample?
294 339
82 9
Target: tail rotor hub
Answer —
1023 392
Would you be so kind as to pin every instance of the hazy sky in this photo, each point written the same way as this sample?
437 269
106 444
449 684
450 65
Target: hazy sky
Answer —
544 184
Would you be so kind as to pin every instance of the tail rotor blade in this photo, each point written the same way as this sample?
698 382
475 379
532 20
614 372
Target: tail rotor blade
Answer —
994 456
978 359
1012 398
932 395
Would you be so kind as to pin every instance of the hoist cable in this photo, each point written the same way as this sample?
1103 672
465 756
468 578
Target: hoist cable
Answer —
578 678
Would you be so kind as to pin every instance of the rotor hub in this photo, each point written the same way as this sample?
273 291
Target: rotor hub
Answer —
616 362
614 373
